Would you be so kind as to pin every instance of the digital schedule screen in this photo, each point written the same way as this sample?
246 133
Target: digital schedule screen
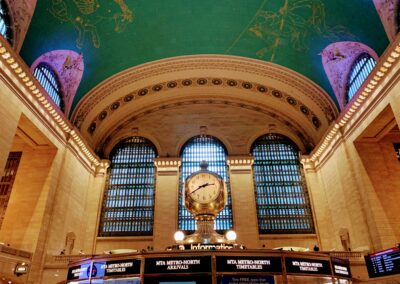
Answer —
383 263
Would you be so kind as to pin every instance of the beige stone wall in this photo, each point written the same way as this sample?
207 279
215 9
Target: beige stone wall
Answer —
50 196
383 167
355 184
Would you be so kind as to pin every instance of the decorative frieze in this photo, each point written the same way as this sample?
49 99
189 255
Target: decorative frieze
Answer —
167 166
240 164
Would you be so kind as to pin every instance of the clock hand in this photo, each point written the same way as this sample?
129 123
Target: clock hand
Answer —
201 186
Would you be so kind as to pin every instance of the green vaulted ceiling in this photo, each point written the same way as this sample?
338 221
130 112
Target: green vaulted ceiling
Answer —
119 34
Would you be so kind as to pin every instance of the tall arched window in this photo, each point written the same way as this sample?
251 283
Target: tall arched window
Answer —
283 205
210 149
47 77
5 22
360 70
128 202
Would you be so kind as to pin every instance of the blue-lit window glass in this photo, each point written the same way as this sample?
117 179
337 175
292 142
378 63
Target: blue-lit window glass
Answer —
46 76
283 205
128 203
5 22
360 70
198 149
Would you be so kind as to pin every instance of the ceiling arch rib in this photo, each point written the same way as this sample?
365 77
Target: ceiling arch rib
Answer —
235 123
190 78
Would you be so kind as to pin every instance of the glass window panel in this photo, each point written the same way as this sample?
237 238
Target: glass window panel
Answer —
128 203
7 181
5 22
360 70
282 201
49 81
198 149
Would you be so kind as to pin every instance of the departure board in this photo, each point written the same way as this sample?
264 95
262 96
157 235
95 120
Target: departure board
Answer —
383 263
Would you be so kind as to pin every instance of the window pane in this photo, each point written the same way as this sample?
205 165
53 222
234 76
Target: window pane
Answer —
196 150
5 22
358 73
7 181
49 81
128 202
281 193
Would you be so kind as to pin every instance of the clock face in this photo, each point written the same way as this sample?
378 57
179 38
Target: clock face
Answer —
204 187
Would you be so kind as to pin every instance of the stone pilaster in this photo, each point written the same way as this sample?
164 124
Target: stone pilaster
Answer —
94 205
243 200
166 202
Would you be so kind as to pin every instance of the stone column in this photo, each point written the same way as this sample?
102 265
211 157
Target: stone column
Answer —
243 200
166 202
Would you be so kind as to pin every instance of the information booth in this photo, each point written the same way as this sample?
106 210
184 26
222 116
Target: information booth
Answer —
211 267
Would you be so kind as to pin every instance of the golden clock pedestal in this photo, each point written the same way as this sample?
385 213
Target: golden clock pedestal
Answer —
205 233
205 196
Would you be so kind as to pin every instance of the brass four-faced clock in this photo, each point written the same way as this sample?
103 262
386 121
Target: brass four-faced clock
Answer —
205 193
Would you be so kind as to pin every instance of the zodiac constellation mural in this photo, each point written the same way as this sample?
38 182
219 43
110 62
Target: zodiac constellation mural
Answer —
85 15
290 25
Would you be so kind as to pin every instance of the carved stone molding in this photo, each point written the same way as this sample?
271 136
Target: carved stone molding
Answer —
167 166
101 169
240 164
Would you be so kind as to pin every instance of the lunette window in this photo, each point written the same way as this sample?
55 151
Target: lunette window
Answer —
47 77
283 205
360 70
209 149
128 203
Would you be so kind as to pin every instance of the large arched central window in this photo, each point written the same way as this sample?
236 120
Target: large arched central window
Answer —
360 70
283 205
198 149
47 77
128 202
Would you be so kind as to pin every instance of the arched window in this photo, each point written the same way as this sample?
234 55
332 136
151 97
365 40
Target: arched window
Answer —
5 22
360 70
47 77
128 202
210 149
283 205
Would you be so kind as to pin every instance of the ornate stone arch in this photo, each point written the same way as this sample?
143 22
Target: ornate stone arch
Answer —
337 59
69 67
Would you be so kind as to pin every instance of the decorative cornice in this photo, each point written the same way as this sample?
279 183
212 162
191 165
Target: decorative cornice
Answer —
167 166
361 103
40 102
240 164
